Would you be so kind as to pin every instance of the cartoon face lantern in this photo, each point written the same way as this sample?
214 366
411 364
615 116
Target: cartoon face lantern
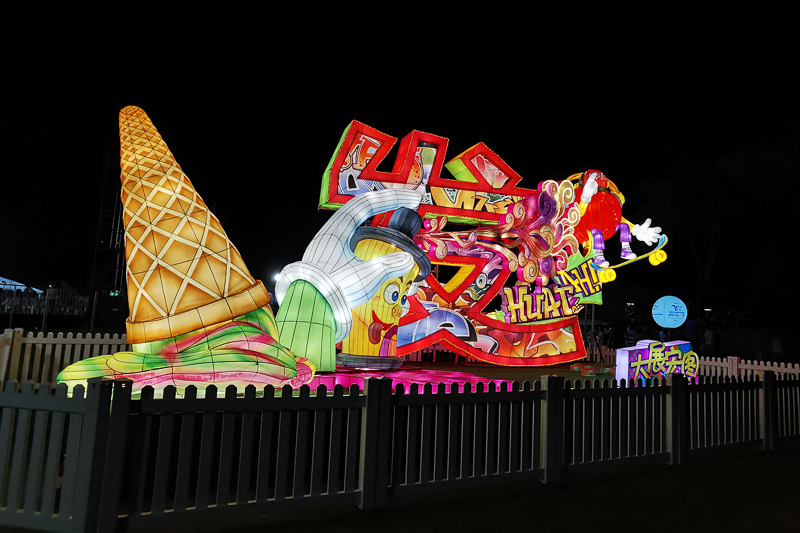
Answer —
374 332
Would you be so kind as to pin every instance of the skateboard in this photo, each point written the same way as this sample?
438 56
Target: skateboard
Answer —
656 256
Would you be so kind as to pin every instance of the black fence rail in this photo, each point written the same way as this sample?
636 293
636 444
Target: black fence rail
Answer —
460 435
105 461
195 455
51 455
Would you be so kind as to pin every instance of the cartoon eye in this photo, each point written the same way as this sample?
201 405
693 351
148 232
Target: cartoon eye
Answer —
406 304
480 281
391 294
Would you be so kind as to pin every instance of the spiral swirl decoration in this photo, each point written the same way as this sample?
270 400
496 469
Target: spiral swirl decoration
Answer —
534 241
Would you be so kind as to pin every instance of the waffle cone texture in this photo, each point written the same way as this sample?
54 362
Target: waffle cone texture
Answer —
183 272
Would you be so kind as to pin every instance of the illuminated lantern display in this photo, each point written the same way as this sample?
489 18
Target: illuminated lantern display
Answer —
408 379
353 283
375 323
531 262
410 258
649 359
522 249
508 288
480 192
197 316
601 217
669 312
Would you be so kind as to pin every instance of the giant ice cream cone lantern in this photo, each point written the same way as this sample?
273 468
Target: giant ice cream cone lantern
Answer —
183 272
197 316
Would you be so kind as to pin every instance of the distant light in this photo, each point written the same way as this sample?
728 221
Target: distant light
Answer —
276 276
707 310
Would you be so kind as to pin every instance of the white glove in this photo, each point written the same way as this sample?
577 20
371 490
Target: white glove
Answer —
589 189
344 280
645 233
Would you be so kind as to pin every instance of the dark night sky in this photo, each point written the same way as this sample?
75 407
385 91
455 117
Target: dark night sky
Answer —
699 124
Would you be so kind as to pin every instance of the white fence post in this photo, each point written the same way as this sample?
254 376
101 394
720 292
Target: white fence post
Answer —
14 355
5 353
733 367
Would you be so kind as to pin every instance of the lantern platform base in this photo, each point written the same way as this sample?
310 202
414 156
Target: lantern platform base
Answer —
367 362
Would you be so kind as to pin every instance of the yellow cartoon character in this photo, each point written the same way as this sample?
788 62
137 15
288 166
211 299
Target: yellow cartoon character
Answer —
352 284
372 342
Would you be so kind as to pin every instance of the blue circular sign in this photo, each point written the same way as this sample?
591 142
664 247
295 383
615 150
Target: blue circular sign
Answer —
669 312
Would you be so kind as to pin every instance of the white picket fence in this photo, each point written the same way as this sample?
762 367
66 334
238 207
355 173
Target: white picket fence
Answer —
724 366
734 366
39 358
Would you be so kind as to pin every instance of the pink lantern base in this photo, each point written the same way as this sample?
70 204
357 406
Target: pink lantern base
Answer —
406 377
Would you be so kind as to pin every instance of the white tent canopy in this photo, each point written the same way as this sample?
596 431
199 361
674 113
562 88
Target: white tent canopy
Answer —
11 285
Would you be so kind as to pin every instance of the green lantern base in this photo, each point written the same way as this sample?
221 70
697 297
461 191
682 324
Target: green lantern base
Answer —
307 327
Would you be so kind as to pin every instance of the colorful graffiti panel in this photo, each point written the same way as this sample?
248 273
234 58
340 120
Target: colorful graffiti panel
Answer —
517 261
507 288
480 191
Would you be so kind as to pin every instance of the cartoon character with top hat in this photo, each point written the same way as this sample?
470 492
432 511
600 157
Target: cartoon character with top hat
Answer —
353 283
